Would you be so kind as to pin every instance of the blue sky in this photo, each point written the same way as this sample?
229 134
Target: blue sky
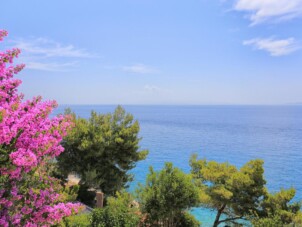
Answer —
158 52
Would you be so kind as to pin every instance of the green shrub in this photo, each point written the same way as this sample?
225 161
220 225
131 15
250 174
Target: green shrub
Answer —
187 220
166 195
82 220
117 213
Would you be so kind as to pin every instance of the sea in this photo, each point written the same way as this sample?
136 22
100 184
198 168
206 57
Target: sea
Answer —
234 134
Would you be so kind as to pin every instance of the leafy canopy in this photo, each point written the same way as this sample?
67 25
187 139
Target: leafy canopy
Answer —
278 208
102 150
241 194
166 195
236 193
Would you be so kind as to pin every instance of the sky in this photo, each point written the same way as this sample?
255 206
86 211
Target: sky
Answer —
151 52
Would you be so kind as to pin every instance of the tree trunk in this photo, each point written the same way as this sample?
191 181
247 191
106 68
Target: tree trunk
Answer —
220 210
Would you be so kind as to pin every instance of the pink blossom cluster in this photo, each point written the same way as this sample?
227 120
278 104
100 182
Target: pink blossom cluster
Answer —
28 140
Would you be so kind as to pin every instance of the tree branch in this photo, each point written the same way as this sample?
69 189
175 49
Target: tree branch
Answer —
230 219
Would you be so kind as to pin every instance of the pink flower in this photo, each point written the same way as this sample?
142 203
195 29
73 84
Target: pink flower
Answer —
29 139
22 157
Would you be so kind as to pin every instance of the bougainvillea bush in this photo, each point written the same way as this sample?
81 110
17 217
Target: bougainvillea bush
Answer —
29 140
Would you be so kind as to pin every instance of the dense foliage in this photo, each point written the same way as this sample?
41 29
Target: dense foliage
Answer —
232 192
121 211
166 195
81 220
29 139
102 150
278 208
241 194
185 219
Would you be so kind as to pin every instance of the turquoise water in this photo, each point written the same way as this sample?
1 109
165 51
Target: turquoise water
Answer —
222 133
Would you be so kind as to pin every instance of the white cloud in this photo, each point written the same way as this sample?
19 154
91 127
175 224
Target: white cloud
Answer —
48 55
56 67
276 47
152 88
49 48
270 10
139 69
149 89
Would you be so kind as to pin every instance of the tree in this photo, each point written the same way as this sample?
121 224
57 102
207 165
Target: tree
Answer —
28 140
166 195
232 192
278 208
102 150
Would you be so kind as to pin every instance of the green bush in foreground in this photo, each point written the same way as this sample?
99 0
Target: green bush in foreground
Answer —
119 212
166 195
82 220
